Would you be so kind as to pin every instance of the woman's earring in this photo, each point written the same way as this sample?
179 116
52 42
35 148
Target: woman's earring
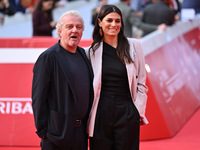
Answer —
101 31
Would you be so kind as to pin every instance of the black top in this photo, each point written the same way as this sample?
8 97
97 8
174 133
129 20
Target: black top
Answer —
114 74
81 81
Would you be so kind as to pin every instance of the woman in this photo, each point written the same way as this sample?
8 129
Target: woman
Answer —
119 85
43 23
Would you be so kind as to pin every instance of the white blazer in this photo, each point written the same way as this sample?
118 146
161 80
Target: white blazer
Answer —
136 77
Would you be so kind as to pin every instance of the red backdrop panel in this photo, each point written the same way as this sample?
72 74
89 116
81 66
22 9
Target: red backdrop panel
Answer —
16 116
174 86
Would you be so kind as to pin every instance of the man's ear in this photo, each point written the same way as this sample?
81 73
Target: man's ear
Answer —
59 30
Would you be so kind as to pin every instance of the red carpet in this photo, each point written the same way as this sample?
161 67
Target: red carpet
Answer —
188 138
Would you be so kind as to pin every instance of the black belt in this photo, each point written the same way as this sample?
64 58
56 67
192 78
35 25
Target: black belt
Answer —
77 123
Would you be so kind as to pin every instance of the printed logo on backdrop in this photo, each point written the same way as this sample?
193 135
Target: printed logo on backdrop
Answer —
169 85
15 106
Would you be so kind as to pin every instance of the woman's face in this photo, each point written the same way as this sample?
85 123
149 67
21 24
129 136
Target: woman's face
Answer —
111 24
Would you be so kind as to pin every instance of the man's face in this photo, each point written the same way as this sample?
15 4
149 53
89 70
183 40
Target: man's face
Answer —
71 32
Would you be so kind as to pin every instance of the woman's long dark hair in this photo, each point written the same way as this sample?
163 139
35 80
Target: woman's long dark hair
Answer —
123 45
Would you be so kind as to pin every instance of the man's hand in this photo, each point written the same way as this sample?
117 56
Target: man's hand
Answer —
162 26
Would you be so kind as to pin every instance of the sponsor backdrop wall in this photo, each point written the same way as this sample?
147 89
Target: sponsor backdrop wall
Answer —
172 65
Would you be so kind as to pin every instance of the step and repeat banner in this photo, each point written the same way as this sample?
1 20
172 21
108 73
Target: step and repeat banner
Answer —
172 64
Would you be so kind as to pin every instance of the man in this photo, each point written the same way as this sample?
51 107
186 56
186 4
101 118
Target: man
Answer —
157 13
130 20
62 89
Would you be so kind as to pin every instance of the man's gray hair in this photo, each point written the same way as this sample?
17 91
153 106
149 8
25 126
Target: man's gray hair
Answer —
70 13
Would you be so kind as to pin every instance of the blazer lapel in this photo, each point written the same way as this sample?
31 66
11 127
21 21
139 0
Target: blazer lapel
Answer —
65 67
96 62
87 62
91 76
131 68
